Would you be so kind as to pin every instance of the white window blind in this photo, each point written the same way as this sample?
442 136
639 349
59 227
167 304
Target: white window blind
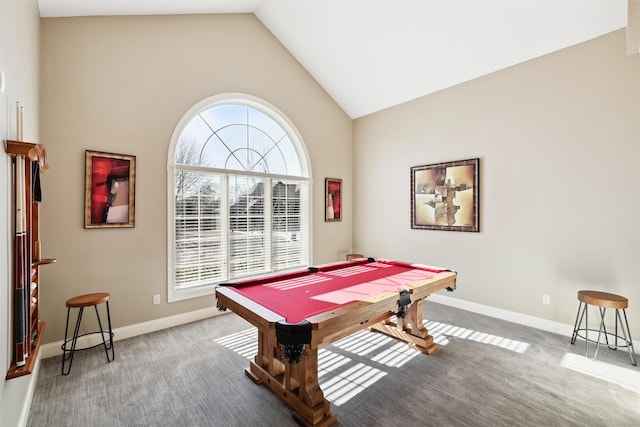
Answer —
240 202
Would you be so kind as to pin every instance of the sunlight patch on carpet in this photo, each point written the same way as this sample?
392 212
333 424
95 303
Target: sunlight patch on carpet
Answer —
363 342
342 378
245 343
348 384
443 333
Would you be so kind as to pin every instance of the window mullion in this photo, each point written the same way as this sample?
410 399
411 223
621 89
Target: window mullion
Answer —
268 223
224 225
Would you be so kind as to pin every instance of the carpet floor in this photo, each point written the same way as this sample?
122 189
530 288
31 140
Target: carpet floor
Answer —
487 372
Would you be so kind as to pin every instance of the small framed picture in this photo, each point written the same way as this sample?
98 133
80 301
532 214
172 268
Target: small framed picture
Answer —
446 196
109 190
333 199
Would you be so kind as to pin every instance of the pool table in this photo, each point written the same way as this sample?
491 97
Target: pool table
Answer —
297 313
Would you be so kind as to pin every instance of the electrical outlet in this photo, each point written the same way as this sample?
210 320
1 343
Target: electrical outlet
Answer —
156 299
546 299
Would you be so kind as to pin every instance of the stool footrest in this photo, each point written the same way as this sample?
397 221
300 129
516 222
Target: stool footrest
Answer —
105 334
604 339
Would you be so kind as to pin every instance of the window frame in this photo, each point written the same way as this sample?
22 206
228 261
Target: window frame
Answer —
205 104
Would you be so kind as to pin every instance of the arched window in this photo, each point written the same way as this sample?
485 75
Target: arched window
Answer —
238 179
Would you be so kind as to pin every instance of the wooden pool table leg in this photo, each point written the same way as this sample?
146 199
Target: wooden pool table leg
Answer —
312 409
410 328
294 383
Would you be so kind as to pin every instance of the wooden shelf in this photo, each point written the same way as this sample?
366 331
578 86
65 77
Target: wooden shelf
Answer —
28 150
18 371
31 160
44 261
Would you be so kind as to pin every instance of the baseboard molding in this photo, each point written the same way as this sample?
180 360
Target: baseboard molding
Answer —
54 349
498 313
17 397
510 316
24 415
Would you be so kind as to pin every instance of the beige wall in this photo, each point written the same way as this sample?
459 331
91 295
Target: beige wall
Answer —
121 84
558 141
19 59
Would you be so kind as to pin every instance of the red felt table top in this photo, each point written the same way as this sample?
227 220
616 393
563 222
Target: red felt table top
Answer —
301 294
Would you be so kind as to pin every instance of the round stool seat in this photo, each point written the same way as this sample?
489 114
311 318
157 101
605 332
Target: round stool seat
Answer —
603 299
88 300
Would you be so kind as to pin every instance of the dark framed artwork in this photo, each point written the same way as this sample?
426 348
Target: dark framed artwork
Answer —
333 199
446 196
109 190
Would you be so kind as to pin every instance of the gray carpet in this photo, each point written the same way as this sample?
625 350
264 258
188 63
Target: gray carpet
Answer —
487 372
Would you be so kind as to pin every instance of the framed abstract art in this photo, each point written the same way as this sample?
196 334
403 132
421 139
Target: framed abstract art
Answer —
109 190
446 196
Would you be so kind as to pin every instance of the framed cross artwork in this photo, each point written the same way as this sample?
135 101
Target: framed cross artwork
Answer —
446 196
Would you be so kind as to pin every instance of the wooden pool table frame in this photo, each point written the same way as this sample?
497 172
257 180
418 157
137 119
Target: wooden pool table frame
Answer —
297 383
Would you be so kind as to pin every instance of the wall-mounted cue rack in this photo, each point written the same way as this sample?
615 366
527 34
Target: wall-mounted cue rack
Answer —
29 160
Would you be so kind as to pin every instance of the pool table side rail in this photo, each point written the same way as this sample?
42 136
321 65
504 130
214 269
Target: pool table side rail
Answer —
424 288
249 310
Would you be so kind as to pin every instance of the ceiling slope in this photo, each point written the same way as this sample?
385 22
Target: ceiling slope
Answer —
373 54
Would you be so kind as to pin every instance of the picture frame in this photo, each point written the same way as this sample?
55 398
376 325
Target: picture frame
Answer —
446 196
333 199
109 190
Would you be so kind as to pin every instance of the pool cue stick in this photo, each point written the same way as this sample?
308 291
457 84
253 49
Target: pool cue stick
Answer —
27 255
21 311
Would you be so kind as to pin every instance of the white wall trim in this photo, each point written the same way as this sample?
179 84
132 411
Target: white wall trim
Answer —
31 389
510 316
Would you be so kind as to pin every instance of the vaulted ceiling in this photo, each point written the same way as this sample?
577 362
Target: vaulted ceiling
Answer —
373 54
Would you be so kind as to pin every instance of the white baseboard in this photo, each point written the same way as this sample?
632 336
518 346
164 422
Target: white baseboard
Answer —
17 397
510 316
54 349
498 313
24 415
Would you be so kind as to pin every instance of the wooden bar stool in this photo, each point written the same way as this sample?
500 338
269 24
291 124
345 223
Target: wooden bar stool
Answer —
80 302
603 300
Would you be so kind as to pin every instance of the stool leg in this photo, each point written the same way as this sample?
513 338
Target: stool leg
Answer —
577 324
627 337
74 341
603 310
604 329
113 352
64 343
586 330
616 317
104 342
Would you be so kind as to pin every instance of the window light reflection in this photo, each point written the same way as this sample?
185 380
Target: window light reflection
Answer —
624 377
341 388
442 334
